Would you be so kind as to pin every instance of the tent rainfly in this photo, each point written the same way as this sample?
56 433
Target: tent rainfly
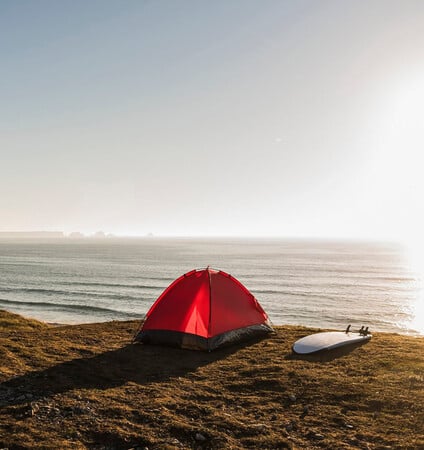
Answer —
203 310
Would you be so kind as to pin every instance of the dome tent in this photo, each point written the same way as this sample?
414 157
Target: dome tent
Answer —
203 310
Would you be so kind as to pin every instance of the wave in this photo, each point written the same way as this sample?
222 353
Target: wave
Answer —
324 296
322 269
166 279
50 292
335 289
70 307
119 285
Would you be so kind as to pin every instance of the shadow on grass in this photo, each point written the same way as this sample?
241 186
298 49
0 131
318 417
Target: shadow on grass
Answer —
139 363
326 355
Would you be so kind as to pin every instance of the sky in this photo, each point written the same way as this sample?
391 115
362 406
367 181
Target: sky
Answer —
198 118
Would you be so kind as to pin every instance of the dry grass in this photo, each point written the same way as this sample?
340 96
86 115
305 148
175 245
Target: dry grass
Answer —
87 386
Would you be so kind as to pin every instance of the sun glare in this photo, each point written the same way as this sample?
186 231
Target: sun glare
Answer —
399 172
415 258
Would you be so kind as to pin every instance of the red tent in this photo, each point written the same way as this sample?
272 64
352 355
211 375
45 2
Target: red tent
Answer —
203 310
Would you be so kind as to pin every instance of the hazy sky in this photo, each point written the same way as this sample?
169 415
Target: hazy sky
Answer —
286 118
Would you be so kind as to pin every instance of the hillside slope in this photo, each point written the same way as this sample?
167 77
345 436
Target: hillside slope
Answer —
87 386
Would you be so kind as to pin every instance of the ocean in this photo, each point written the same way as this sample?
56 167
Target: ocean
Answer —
321 284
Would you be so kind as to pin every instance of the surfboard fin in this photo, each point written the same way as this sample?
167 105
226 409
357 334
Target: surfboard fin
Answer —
347 329
364 331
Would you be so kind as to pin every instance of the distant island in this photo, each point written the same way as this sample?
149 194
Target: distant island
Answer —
31 234
51 235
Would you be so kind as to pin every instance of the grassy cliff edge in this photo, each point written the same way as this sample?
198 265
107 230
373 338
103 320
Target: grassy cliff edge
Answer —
87 386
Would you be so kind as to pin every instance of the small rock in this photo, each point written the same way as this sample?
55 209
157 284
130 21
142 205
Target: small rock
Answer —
305 411
339 421
258 426
20 398
200 437
292 398
349 426
316 436
291 426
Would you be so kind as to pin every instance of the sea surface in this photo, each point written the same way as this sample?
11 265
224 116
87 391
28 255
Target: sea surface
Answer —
313 283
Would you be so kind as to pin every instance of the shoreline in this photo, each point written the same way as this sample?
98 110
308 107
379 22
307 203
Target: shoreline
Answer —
87 387
408 333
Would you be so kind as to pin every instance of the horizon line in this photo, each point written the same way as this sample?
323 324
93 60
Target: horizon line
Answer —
106 235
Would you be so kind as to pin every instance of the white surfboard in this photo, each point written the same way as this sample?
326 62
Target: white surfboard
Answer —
328 341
